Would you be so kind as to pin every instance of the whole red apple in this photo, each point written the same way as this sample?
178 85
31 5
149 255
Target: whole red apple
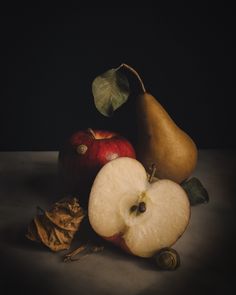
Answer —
85 153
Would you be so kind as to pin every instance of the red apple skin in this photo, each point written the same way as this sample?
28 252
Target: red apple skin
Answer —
80 169
120 242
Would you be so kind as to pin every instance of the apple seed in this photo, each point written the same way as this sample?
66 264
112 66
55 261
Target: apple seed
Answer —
141 207
133 208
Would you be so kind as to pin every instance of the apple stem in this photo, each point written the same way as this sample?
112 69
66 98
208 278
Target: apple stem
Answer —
92 133
153 171
132 70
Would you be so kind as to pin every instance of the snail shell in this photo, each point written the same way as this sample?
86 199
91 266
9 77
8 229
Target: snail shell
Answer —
167 259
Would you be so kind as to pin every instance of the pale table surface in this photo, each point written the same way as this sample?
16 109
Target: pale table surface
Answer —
207 249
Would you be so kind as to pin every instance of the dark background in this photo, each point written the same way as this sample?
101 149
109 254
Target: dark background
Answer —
50 56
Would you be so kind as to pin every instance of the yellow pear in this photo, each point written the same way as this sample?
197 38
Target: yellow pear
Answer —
162 142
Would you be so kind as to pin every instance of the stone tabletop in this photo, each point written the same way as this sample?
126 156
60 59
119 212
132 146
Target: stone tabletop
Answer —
207 248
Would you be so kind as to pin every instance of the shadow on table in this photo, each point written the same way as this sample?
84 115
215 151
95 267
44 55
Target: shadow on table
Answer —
46 182
14 235
87 235
41 183
215 274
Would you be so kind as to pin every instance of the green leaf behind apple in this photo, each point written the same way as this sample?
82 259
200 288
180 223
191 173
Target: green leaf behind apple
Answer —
196 192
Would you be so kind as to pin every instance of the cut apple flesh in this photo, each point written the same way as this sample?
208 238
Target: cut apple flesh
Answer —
114 208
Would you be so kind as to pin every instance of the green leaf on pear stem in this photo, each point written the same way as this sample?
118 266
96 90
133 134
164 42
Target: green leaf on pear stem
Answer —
110 91
196 192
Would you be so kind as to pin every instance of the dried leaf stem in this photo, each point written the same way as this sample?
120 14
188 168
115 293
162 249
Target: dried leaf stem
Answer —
69 257
84 248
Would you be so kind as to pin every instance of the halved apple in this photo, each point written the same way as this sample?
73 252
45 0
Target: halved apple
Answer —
138 216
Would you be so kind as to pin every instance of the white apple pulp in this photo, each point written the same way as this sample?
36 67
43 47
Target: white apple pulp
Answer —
123 183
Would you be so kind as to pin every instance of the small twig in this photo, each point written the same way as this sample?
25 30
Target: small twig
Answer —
69 257
92 250
96 249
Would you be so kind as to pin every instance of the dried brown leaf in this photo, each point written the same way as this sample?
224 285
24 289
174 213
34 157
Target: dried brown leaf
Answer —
56 227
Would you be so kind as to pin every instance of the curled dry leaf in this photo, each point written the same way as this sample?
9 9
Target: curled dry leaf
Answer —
56 227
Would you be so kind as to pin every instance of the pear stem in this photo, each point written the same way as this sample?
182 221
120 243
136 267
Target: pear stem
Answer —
153 171
135 73
92 133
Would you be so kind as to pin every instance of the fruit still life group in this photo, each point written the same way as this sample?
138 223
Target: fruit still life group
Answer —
136 195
